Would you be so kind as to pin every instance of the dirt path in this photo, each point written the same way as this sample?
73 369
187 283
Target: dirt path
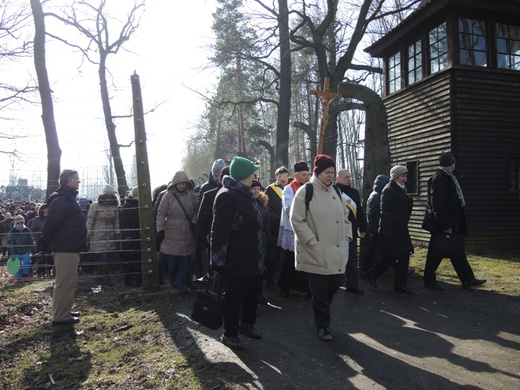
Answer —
435 340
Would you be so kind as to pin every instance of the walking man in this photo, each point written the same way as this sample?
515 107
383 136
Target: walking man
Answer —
274 204
447 202
356 216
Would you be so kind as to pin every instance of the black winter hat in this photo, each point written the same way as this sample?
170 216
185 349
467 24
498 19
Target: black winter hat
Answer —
446 159
301 166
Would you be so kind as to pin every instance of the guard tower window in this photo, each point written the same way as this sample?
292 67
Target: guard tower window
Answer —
414 62
394 73
472 42
438 46
508 46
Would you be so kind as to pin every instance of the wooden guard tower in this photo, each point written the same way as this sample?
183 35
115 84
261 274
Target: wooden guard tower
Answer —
452 83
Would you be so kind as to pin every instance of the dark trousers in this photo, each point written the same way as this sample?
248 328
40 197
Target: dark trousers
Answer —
370 256
460 264
352 271
286 270
323 288
178 267
401 268
290 279
241 301
132 267
271 262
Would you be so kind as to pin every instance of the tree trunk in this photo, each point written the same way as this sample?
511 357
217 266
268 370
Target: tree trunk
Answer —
284 104
122 186
377 151
49 124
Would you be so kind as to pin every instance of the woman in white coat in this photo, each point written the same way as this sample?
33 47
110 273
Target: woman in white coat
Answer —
322 233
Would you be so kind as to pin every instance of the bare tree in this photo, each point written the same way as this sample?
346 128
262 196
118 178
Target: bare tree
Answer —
284 75
93 23
15 45
49 124
323 32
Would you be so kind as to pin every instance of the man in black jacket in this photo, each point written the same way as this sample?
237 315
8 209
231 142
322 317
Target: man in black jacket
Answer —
357 217
204 221
446 199
65 231
274 204
214 178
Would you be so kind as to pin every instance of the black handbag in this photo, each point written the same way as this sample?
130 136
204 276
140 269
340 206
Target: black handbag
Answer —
447 245
208 309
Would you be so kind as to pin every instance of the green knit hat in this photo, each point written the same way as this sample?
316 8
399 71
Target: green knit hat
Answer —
241 168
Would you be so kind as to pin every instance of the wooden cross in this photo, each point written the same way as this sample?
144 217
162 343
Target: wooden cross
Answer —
326 97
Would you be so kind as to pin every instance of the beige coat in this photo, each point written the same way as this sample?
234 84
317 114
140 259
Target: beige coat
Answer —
178 238
322 234
103 226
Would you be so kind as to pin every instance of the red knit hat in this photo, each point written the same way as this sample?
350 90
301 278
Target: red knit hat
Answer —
322 162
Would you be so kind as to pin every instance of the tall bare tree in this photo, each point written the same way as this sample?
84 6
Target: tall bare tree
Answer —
284 75
93 23
49 124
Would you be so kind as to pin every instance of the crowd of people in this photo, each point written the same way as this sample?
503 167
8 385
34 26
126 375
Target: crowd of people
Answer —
303 229
21 232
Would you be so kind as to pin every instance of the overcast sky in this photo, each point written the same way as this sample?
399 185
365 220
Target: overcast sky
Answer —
168 52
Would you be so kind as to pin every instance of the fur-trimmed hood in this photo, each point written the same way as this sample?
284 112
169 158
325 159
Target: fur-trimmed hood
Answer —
262 199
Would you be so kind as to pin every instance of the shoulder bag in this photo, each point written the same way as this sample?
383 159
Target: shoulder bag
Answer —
193 226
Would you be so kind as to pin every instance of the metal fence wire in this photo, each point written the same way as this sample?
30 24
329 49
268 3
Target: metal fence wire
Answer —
123 260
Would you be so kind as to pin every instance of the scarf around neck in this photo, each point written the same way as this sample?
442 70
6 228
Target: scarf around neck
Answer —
295 184
457 185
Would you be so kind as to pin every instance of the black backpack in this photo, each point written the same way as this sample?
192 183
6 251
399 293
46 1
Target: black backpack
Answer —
309 192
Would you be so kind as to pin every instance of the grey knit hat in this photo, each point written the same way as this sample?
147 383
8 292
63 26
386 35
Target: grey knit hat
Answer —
397 171
217 166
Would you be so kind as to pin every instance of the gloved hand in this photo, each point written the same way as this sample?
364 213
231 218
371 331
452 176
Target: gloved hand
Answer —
160 237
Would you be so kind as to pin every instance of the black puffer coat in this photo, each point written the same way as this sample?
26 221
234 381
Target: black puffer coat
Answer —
396 208
65 229
374 203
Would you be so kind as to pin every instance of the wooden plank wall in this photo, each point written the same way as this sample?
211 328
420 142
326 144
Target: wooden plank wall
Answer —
487 104
476 114
419 121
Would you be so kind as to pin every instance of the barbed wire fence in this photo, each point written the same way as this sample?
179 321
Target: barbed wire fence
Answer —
122 255
29 194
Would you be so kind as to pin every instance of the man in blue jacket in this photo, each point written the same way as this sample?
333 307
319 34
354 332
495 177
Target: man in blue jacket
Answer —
65 231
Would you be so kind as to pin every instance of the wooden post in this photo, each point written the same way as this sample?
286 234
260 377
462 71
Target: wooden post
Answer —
146 221
326 97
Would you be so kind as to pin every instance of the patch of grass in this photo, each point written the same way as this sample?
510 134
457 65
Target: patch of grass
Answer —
500 268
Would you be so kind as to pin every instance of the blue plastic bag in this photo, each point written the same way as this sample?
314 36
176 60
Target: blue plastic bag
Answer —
25 266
